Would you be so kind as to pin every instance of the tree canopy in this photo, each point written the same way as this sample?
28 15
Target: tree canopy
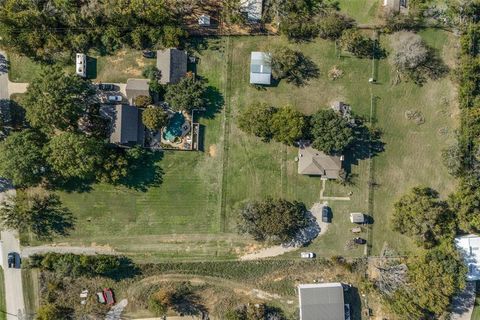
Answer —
55 100
73 155
21 158
421 215
142 101
186 95
277 221
288 125
293 66
353 41
256 118
154 118
465 202
43 215
330 132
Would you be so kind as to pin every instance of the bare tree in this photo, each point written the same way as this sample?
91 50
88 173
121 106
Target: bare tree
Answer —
409 50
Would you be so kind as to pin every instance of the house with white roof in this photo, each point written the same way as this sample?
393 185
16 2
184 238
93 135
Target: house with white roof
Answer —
260 68
469 247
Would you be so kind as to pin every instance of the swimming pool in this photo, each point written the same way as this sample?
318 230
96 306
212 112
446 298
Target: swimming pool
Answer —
174 128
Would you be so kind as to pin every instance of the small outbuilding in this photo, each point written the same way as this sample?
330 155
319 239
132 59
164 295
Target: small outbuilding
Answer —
204 20
395 5
469 247
253 9
172 63
260 68
321 301
81 65
136 87
357 217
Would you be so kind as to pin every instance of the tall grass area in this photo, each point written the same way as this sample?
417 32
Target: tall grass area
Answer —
31 290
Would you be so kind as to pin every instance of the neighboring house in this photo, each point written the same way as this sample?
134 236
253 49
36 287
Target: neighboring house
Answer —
126 127
469 247
313 162
204 21
172 64
253 9
135 88
81 65
260 68
321 301
395 5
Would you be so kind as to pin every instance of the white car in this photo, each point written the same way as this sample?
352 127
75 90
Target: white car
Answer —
307 255
114 98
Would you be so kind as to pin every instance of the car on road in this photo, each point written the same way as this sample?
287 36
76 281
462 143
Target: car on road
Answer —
114 98
106 87
149 54
325 214
307 255
359 240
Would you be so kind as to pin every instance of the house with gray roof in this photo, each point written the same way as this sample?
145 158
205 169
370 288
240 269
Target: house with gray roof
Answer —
260 68
253 9
126 127
314 162
322 301
172 64
135 88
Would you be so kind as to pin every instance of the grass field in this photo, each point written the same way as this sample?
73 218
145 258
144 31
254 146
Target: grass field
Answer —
3 306
363 11
31 290
191 215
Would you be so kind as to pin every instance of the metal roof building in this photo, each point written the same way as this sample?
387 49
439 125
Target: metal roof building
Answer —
321 301
260 68
469 247
172 63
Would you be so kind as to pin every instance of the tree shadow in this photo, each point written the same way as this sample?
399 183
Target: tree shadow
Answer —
146 173
55 182
214 102
197 44
432 69
125 269
188 303
304 70
12 114
201 138
352 298
91 67
4 64
48 223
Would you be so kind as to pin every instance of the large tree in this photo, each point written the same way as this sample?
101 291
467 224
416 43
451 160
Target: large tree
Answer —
277 221
353 41
73 155
421 215
465 202
288 125
330 132
256 118
154 118
293 66
186 95
43 215
55 100
21 158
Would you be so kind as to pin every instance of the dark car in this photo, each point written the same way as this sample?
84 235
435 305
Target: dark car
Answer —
325 214
149 54
106 87
11 260
359 240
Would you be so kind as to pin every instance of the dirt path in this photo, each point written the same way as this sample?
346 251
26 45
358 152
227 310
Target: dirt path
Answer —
275 251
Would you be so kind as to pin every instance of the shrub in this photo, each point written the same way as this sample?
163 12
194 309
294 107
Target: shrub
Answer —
142 101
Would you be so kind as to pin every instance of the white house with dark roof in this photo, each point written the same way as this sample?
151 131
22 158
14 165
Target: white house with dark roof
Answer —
322 301
314 162
172 64
260 68
469 247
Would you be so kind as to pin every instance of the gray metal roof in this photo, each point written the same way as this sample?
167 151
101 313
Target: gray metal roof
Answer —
136 87
172 64
316 163
321 301
253 8
260 68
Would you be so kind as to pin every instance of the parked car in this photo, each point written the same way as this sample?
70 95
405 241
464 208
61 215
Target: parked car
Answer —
11 260
115 98
149 54
106 297
359 240
325 214
106 87
307 255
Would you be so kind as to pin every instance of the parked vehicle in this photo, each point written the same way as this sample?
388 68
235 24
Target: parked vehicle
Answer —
114 98
149 54
11 260
307 255
106 297
359 240
106 87
356 230
325 214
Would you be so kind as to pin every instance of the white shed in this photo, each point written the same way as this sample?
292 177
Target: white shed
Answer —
357 217
81 65
260 68
204 21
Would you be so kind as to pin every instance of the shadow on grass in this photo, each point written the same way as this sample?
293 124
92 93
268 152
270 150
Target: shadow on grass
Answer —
201 138
91 67
352 297
146 173
214 102
197 44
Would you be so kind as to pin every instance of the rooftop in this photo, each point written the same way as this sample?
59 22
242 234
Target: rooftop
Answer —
136 87
260 68
469 247
316 163
126 127
172 64
321 301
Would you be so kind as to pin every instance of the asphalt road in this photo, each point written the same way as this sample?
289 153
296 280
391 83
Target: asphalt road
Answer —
9 238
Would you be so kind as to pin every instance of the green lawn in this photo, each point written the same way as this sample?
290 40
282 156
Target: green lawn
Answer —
3 306
363 11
